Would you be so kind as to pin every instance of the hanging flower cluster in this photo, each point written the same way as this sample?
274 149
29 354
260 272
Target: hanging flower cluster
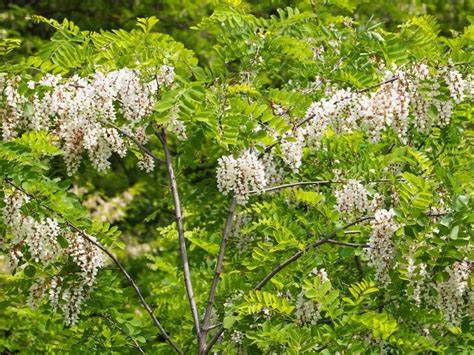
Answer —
411 97
241 176
389 105
292 150
381 249
41 239
352 198
451 292
78 110
417 280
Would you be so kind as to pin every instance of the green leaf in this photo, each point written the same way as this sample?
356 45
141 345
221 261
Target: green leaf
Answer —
30 271
229 322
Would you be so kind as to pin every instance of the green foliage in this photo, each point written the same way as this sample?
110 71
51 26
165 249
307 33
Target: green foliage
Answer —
245 75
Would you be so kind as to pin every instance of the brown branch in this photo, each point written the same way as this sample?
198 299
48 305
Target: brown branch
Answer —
135 342
309 183
215 280
182 240
116 261
229 222
137 143
327 239
347 244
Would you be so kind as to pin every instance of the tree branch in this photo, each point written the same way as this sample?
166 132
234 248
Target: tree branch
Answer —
229 222
215 280
327 239
309 183
182 240
116 261
137 143
347 244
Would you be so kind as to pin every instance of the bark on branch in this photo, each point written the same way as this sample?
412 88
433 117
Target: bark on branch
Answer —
217 273
137 143
182 240
130 280
329 238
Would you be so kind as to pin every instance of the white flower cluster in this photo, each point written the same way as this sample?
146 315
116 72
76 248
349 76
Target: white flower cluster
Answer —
389 105
166 75
321 114
292 150
273 172
55 291
241 176
176 126
417 277
86 255
381 249
237 337
36 293
78 109
377 202
452 291
73 298
456 85
308 311
41 238
352 198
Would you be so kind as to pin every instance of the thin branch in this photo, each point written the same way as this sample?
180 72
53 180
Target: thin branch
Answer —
230 215
295 184
182 240
116 261
352 232
290 260
215 280
135 342
137 143
309 183
347 244
214 339
327 239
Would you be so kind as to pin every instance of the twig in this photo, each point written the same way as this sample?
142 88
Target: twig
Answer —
300 253
306 183
290 260
182 240
116 261
352 232
293 258
139 348
347 244
215 280
138 144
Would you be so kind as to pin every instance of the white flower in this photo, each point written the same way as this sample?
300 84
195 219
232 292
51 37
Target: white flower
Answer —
292 151
352 198
451 292
241 176
381 249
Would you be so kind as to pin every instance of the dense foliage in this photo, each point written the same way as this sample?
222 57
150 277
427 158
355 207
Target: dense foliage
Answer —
277 177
